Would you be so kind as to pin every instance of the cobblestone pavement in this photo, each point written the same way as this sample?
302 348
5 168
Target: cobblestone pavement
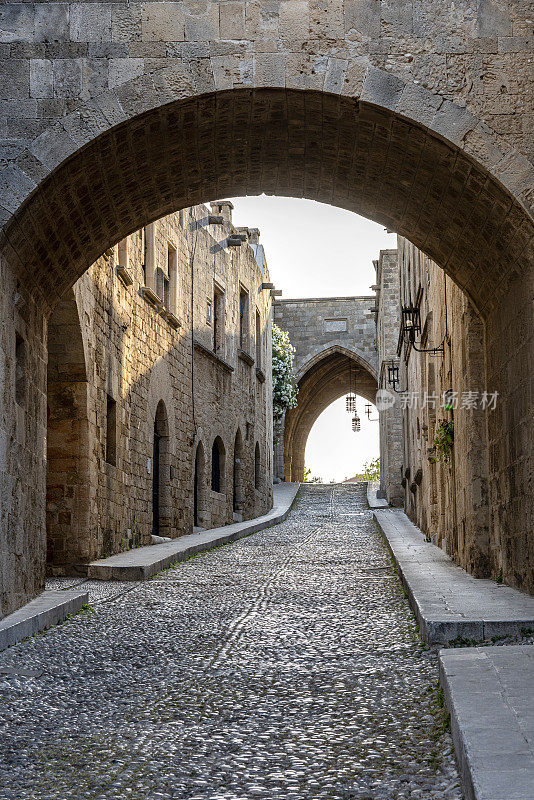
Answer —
286 665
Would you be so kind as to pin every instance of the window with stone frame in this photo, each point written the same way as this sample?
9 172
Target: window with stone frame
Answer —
259 341
243 318
111 431
171 300
218 321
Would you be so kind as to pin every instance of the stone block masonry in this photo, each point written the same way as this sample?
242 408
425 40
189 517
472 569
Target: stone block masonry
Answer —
156 407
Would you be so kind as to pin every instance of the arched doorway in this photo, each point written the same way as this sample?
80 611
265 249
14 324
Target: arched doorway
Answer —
161 510
68 519
238 493
218 456
199 489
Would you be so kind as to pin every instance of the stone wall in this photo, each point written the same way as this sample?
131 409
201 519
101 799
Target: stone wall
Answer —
390 421
453 501
116 349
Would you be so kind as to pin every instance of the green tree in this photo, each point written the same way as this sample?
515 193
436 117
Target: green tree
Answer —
284 390
371 470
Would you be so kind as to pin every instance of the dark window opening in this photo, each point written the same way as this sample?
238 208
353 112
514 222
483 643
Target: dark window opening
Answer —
111 431
243 318
258 340
217 465
20 370
257 467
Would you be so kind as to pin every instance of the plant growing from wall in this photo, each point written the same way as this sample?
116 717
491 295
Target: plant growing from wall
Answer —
443 441
284 389
371 470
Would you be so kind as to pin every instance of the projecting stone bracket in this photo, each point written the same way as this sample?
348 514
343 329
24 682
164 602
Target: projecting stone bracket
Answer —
125 275
246 357
150 296
213 356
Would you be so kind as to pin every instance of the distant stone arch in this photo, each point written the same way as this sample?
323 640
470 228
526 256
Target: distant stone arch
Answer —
326 379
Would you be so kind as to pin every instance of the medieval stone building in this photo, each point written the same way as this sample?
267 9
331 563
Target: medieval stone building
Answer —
159 390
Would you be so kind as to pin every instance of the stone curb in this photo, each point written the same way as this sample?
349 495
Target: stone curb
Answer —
489 693
374 501
47 609
447 601
144 562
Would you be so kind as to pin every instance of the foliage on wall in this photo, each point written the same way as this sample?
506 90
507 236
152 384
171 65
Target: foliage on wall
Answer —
284 389
371 470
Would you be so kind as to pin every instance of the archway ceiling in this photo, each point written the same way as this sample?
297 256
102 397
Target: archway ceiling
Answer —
309 144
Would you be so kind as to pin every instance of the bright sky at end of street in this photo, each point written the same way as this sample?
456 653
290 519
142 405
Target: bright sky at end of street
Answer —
333 451
313 249
317 250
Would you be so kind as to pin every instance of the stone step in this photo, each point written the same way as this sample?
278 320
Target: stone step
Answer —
447 601
47 609
144 562
489 692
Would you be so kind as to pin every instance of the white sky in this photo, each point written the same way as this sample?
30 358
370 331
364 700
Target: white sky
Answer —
317 250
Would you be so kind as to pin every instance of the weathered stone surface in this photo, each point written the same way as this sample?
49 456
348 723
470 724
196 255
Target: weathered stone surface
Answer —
462 197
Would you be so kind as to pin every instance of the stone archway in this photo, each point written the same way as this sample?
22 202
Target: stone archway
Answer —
68 512
326 379
372 143
161 498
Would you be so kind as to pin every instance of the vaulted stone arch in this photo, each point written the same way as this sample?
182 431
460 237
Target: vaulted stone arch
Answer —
326 379
367 141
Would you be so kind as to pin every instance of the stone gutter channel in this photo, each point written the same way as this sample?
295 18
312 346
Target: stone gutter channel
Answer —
488 690
140 564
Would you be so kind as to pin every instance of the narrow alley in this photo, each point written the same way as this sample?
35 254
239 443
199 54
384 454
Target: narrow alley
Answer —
287 665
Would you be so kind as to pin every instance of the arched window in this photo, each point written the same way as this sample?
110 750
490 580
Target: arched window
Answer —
257 467
217 465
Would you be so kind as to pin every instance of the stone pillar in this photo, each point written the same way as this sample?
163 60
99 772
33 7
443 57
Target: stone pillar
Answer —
23 359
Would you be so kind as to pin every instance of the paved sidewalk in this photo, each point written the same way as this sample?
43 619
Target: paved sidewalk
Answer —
450 604
144 562
489 692
45 610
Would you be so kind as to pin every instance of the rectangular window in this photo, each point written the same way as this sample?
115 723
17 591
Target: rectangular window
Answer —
150 256
209 306
123 256
20 370
259 342
218 321
171 300
111 431
243 318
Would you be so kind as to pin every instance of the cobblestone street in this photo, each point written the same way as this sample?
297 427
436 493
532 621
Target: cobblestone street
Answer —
287 665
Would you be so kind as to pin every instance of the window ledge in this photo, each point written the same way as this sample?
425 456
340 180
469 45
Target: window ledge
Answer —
150 296
260 375
213 356
171 318
125 275
246 357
